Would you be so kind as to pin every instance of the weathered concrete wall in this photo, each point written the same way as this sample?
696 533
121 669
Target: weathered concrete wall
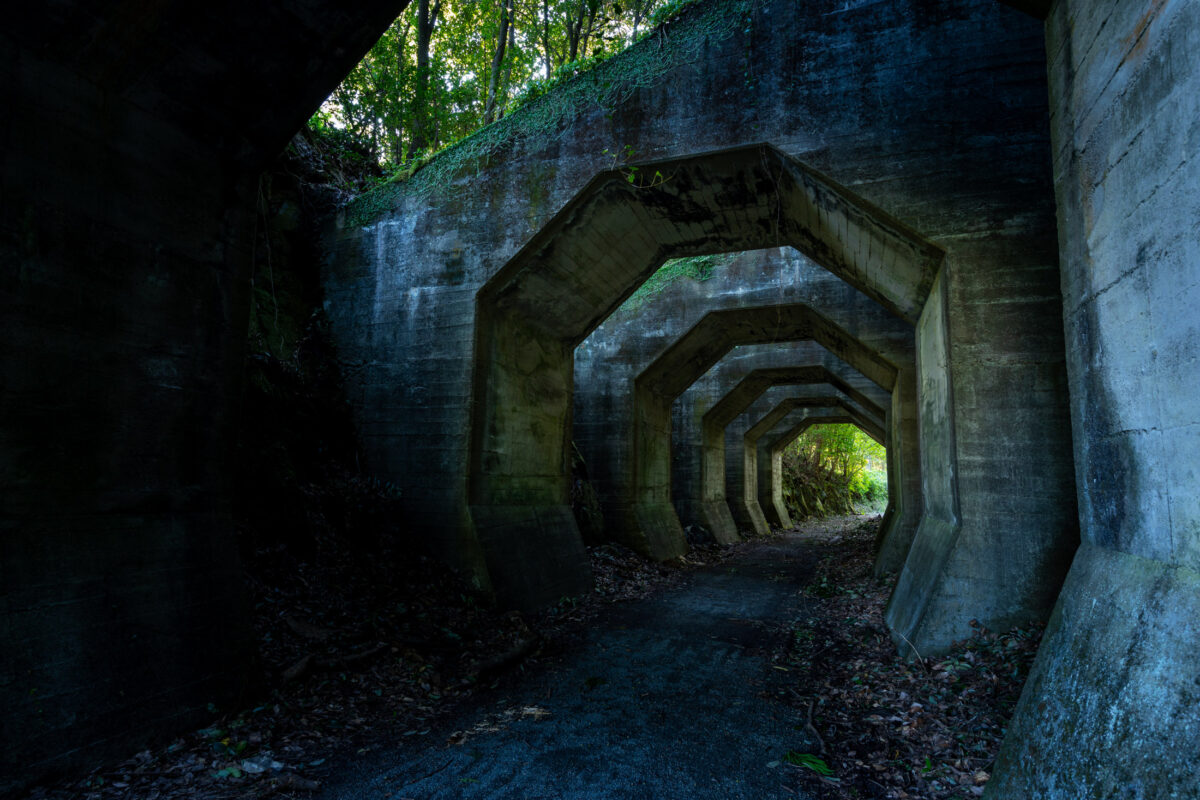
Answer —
1112 707
945 130
131 146
1014 381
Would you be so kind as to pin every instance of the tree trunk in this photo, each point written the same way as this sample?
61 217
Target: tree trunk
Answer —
502 36
395 103
512 47
639 14
546 38
427 16
579 22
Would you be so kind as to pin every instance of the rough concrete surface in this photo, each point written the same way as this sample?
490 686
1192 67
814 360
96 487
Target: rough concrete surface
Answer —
685 707
1111 707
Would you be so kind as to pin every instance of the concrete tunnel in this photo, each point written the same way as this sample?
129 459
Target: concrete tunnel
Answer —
609 360
580 266
750 500
741 364
718 418
656 388
132 235
739 400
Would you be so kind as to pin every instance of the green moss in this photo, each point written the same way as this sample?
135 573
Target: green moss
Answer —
547 108
697 268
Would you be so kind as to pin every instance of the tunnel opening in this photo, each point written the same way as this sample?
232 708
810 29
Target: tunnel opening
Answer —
759 472
830 469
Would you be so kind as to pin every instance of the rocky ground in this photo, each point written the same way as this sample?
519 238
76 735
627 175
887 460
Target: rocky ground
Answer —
371 660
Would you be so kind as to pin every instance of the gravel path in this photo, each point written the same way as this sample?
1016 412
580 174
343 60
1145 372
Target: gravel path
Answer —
674 696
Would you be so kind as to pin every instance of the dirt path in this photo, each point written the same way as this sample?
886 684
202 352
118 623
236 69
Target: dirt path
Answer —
674 696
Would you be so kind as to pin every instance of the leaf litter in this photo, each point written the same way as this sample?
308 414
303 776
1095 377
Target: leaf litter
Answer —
356 649
888 728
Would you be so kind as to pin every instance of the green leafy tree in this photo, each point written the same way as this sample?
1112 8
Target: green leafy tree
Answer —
444 68
829 469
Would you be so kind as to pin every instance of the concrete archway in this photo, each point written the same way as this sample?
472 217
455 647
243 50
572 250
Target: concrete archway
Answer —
724 517
578 269
689 409
647 521
770 457
750 501
731 406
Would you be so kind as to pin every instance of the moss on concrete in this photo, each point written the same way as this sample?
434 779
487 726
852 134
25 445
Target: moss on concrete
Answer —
696 268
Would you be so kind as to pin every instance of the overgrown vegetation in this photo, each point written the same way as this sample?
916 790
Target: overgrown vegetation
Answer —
540 109
445 68
832 470
696 268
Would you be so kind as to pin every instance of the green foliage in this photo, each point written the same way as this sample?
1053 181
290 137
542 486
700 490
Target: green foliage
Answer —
411 94
696 268
829 469
540 111
808 761
667 12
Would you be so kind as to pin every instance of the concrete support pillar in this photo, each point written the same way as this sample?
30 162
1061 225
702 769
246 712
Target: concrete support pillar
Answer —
997 534
1110 708
527 534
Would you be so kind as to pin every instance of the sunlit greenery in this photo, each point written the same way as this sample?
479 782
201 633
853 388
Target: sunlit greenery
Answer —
834 469
444 69
688 30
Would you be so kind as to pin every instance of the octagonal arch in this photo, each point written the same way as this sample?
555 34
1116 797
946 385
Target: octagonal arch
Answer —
760 517
715 509
580 267
648 522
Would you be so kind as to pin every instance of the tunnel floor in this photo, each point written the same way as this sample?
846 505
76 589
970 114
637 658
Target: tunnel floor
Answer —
672 696
697 680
